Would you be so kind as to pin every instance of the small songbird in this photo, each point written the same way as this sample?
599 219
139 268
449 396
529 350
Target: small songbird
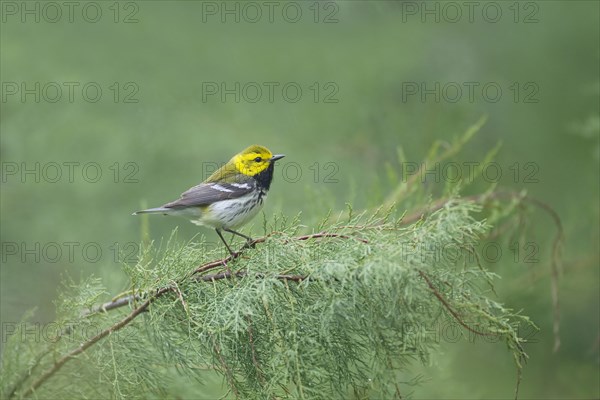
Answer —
230 197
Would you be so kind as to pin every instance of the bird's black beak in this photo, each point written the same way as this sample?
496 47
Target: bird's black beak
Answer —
277 157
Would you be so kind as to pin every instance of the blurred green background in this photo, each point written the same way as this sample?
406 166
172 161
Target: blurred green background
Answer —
155 130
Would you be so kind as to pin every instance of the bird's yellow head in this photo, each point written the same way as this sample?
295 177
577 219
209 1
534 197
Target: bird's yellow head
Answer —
254 160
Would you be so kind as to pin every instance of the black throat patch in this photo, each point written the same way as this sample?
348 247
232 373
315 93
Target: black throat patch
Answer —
263 179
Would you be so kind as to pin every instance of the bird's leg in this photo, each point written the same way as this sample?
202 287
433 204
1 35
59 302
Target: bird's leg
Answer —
249 240
249 243
233 255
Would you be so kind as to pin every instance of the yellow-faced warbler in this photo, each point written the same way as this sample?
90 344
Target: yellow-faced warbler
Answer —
230 197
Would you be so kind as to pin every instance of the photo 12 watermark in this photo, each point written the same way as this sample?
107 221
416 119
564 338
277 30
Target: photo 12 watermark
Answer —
53 12
454 172
270 92
69 252
69 92
69 172
51 332
470 92
252 12
489 252
290 171
492 12
452 331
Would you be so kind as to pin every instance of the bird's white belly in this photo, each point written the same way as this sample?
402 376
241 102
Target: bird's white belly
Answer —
232 213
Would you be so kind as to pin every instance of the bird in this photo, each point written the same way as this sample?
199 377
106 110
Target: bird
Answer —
230 197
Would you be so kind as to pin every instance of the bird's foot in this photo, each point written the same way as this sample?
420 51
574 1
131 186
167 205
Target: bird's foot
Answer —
250 244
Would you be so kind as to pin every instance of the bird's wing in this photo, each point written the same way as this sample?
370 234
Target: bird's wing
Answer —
207 193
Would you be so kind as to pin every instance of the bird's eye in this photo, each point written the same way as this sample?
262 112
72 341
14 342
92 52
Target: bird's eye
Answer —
258 159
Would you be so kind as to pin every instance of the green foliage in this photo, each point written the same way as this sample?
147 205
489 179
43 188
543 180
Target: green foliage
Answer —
369 54
344 311
361 314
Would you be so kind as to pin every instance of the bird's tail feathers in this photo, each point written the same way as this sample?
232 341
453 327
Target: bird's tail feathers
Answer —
157 210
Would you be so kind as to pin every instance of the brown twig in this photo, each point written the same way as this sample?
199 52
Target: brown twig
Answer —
227 371
261 378
218 263
120 302
450 309
328 235
23 377
123 301
84 346
555 267
126 300
464 324
111 305
175 288
556 245
240 274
